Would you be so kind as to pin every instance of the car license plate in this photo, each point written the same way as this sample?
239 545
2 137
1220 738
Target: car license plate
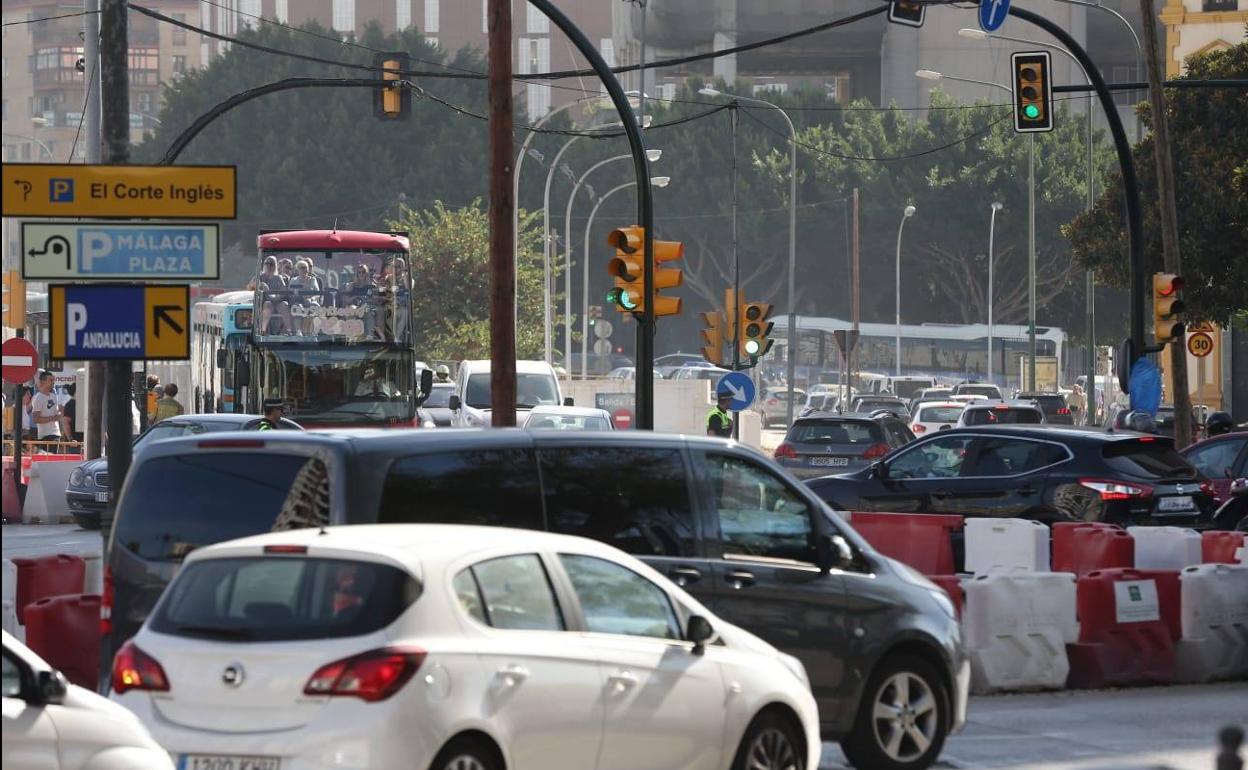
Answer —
225 762
101 497
834 462
1184 503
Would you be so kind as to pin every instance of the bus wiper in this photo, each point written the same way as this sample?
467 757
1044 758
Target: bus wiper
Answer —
223 632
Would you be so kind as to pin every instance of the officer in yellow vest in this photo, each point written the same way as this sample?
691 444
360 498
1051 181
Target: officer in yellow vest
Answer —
274 408
718 421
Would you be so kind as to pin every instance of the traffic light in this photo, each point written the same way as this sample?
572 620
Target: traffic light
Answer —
756 329
628 270
392 102
906 12
1167 307
1033 92
713 336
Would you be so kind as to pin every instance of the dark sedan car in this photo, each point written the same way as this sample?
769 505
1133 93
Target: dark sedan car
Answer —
824 441
868 404
87 492
1047 474
1056 410
1221 460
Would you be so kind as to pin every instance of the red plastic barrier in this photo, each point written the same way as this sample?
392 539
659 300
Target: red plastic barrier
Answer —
43 576
28 460
920 540
1220 547
1120 643
1082 547
65 631
953 586
12 506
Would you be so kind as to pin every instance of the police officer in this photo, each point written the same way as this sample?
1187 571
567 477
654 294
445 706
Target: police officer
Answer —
718 422
274 408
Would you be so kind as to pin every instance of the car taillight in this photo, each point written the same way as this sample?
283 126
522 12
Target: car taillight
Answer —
371 676
134 669
772 402
1063 410
918 428
1207 488
786 451
1117 490
874 451
106 604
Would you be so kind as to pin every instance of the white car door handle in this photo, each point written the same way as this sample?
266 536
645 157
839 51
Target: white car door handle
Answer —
513 675
622 681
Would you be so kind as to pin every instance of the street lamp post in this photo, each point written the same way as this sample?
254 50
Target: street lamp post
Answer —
546 270
992 224
791 373
28 138
909 212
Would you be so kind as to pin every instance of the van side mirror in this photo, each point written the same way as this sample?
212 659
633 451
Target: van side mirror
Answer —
835 553
426 382
454 403
242 374
51 688
222 357
569 401
699 631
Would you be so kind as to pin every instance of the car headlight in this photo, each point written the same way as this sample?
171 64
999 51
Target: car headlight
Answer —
77 478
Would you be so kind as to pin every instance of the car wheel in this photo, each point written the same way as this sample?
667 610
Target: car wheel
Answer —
87 522
903 718
770 743
466 753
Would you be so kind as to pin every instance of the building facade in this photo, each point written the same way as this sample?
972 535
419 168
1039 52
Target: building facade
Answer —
1198 26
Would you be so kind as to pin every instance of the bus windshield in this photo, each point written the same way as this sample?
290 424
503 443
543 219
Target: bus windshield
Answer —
342 385
354 296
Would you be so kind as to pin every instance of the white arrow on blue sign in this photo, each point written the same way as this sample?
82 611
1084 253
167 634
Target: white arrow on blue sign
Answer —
740 386
992 14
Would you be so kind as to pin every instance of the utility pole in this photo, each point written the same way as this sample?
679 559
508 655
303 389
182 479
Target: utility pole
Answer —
855 306
115 127
502 204
96 377
735 306
1169 219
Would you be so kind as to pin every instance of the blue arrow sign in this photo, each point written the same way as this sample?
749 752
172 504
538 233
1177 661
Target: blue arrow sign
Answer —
992 14
740 386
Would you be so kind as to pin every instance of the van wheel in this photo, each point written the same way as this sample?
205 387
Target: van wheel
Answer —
903 718
466 753
770 743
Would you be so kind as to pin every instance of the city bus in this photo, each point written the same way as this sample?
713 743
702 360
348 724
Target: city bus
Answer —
220 342
332 335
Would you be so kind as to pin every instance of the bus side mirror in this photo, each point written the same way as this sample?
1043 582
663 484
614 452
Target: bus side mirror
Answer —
426 382
222 357
569 401
242 375
453 403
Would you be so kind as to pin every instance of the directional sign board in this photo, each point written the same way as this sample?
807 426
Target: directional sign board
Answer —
96 322
992 14
21 360
85 251
741 387
75 191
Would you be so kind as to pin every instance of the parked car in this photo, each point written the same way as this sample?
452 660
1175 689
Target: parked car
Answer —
931 416
536 385
841 441
629 373
436 409
1045 473
709 373
929 394
568 418
668 364
1056 411
88 488
1000 413
985 389
711 514
773 404
1221 460
867 404
51 724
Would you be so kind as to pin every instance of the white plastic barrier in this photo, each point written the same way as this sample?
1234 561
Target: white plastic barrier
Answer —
10 621
1017 627
8 582
1214 620
1165 547
1006 545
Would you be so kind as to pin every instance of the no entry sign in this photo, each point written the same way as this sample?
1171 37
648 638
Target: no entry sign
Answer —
21 361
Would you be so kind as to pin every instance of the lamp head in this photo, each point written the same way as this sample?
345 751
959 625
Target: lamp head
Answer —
708 91
910 211
653 155
970 33
997 205
660 181
928 75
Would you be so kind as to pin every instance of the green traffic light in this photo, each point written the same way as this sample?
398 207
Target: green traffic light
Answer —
1031 111
751 347
621 298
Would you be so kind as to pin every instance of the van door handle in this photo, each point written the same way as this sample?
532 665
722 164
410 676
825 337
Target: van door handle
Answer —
622 681
739 578
685 575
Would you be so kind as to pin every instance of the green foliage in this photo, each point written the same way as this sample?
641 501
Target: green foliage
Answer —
1209 149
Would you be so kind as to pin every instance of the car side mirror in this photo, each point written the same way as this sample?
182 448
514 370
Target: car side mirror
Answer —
879 469
454 403
699 631
569 401
835 553
222 357
426 382
51 688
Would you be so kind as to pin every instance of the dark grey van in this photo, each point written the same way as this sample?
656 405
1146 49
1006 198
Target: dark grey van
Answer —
879 641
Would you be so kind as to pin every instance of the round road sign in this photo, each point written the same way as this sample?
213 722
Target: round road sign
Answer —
21 361
603 329
1199 344
622 419
603 347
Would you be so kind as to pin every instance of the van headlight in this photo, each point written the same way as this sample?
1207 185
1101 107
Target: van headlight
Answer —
915 578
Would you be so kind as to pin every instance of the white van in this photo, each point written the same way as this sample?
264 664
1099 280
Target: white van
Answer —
536 385
908 387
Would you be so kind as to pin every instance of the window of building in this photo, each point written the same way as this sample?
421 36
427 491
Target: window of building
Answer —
1212 6
837 89
402 14
179 34
179 64
145 101
606 46
249 12
536 21
344 16
281 10
666 91
144 66
1123 74
433 16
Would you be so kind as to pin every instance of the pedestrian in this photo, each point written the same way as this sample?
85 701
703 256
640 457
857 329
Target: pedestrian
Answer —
151 396
718 421
28 424
168 405
274 408
45 411
69 414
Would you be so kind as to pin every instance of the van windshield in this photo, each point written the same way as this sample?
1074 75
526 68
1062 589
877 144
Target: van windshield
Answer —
532 389
178 503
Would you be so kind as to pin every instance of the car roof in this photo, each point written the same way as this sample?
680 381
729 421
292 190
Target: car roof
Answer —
837 416
1038 394
522 367
928 404
1059 432
218 417
1001 405
568 411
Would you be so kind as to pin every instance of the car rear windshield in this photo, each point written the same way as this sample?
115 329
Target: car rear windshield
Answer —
940 413
176 504
1148 458
1007 416
1050 404
979 390
835 432
283 598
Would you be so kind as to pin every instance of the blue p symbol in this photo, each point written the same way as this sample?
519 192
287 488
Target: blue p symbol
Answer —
61 190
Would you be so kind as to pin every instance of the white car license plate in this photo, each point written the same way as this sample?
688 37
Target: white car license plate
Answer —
834 462
227 762
1184 503
101 497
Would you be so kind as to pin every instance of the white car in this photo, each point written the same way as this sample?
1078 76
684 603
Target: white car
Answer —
449 647
932 416
568 418
536 385
50 724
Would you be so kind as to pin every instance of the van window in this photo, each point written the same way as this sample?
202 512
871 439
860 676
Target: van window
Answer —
758 515
635 499
532 389
490 487
176 504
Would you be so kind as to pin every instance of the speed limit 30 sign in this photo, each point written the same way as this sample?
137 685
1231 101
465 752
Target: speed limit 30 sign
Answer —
1200 344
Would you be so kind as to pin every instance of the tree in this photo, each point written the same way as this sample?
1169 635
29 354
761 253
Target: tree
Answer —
1210 152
